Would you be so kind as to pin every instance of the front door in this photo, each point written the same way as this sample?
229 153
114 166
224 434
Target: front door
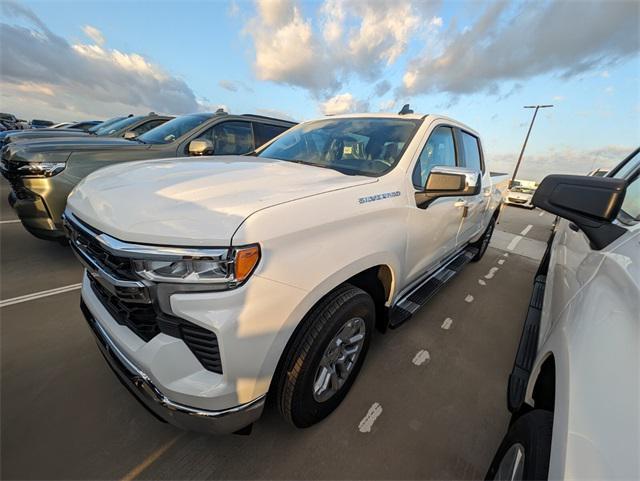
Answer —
433 230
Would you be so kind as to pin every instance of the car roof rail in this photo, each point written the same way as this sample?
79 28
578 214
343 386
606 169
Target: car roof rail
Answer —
266 117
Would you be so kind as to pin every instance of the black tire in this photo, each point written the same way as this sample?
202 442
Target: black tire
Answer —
533 432
483 243
295 391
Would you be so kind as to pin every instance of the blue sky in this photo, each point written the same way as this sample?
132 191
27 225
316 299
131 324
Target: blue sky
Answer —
476 62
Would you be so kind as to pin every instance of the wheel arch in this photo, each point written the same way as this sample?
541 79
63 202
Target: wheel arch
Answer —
541 390
378 280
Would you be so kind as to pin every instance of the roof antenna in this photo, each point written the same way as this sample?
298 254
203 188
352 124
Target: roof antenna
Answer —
405 110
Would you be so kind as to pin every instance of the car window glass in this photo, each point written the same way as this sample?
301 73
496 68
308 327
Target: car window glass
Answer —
117 126
230 138
352 146
174 129
439 150
265 132
631 203
147 126
471 158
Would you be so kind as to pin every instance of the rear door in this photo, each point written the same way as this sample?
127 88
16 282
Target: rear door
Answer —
474 206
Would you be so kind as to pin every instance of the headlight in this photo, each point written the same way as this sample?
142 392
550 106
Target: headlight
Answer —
41 169
231 267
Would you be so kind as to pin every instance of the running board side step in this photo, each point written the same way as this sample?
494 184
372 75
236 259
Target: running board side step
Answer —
426 290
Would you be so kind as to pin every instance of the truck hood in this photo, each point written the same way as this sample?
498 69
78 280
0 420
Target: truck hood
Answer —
189 202
38 150
20 135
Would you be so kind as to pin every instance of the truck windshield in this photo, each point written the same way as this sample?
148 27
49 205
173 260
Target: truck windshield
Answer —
170 131
355 146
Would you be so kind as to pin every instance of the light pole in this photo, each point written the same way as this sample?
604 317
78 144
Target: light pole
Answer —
535 112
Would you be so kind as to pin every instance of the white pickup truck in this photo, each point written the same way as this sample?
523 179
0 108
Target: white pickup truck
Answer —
212 282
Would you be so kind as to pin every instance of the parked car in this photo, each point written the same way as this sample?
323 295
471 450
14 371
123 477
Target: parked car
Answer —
599 173
575 386
42 173
40 124
519 195
9 121
242 275
117 127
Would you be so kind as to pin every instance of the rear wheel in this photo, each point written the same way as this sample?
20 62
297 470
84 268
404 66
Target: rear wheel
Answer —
483 243
525 450
325 356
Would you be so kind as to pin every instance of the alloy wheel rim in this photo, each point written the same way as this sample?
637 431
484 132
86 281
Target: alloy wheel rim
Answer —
339 359
512 464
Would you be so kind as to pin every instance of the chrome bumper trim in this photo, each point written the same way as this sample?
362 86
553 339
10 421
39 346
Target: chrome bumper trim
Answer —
182 416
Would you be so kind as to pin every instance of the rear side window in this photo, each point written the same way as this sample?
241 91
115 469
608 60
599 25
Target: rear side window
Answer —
439 150
265 132
471 158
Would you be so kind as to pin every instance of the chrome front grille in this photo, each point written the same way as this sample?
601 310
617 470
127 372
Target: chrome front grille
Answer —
131 301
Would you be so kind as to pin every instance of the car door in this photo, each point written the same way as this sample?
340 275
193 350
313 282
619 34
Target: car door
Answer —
432 231
475 206
230 137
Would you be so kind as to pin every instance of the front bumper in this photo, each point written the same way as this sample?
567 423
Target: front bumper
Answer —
185 417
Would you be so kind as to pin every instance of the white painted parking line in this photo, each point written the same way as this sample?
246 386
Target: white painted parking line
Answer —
500 261
526 230
421 357
469 298
446 325
541 214
491 273
374 412
39 295
481 282
514 242
12 221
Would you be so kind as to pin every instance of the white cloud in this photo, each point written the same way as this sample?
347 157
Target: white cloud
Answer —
350 39
387 105
559 98
342 104
42 72
511 41
94 34
436 22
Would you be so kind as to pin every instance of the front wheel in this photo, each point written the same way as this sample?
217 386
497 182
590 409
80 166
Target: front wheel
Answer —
483 243
325 356
525 450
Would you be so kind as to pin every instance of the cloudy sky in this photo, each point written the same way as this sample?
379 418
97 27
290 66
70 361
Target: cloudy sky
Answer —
478 62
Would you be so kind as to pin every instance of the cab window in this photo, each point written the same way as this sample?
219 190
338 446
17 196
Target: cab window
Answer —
439 150
630 170
471 158
265 132
230 138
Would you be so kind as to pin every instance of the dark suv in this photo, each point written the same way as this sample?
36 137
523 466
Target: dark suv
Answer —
43 173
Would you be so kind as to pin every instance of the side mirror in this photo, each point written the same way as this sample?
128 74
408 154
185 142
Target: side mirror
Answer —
200 147
130 135
591 203
448 182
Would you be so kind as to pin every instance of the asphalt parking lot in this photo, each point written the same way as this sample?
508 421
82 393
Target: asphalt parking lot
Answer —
437 384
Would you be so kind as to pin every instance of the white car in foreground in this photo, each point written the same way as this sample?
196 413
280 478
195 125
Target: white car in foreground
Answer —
574 389
519 195
211 282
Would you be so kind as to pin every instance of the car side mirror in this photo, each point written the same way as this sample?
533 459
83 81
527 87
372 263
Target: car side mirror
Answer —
200 147
448 182
130 135
591 203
